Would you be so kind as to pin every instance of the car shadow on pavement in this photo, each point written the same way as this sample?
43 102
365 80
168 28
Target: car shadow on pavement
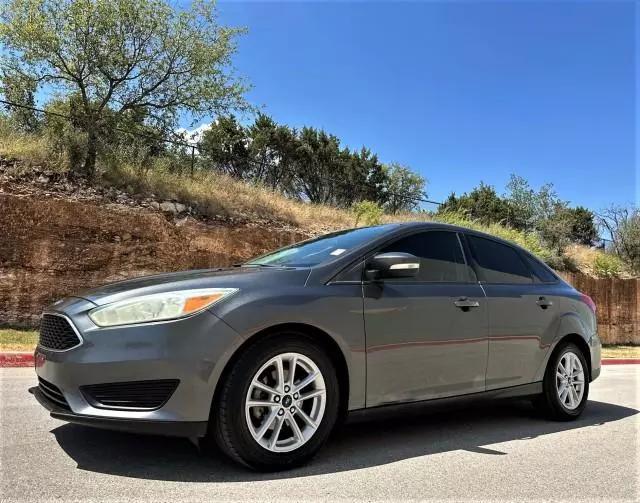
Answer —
378 441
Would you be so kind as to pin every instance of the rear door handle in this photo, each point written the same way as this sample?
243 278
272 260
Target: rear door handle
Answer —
465 304
544 303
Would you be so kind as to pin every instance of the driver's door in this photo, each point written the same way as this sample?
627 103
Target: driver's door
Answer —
421 342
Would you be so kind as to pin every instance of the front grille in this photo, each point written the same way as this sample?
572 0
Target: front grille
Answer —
52 393
145 395
57 333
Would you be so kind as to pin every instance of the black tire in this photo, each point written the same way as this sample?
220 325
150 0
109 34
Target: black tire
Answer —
228 425
549 403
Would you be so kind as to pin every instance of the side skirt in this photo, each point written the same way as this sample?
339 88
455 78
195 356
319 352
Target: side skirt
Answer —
521 391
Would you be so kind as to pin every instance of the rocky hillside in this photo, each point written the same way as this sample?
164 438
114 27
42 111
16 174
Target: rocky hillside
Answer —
59 236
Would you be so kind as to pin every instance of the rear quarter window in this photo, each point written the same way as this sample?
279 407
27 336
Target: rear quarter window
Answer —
498 263
540 272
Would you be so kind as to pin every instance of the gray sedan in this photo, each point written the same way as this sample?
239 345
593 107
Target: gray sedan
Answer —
265 358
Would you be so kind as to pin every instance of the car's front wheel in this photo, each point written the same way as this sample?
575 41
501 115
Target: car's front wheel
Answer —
278 404
565 385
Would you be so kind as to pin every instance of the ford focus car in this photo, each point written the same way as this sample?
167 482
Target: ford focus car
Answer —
266 357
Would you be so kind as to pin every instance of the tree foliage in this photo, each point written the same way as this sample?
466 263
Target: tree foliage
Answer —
482 204
309 164
124 59
17 88
403 189
527 209
368 213
623 225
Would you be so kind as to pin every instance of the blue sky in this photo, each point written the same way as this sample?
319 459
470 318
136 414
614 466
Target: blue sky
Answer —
462 92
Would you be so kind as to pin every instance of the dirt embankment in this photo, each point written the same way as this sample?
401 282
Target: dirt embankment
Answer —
51 247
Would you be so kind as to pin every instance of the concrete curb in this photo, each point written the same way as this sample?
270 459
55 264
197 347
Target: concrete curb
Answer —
15 359
620 361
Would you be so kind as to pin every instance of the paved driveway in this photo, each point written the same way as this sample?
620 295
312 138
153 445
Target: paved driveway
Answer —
499 452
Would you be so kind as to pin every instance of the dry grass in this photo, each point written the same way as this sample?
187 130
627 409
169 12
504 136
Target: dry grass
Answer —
217 195
31 150
18 340
620 351
590 261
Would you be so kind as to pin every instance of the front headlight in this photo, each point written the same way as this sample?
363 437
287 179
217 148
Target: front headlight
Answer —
158 307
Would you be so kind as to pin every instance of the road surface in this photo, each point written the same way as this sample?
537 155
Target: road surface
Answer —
498 452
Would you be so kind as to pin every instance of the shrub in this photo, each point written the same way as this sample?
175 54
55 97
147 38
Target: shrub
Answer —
607 265
529 240
369 212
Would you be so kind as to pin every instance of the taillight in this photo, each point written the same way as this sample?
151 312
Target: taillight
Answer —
588 301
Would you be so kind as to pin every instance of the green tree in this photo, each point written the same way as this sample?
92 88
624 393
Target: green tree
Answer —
124 57
224 145
318 166
530 208
482 204
583 228
272 147
403 189
18 88
623 225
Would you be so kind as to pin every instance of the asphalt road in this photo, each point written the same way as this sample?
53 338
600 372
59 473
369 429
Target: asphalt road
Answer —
498 452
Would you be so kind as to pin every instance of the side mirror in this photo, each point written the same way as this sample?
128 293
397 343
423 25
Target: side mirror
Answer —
392 265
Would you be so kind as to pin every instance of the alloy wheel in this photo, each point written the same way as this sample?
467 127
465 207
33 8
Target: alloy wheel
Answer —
570 380
285 402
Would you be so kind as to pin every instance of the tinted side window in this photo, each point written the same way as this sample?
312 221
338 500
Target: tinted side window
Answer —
441 259
540 272
498 263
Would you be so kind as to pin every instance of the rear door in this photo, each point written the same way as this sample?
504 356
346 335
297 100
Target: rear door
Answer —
422 342
521 312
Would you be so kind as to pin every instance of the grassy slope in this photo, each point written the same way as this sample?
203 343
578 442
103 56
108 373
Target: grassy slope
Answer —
215 195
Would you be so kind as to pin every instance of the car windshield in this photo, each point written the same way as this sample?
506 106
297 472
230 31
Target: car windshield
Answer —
319 250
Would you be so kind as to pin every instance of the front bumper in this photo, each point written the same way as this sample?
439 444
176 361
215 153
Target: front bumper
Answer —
169 428
192 350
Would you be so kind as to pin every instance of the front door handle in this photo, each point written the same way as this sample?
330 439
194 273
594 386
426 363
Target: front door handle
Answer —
544 303
466 304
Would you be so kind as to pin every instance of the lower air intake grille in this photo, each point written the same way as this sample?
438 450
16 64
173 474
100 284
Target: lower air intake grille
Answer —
52 393
56 333
145 395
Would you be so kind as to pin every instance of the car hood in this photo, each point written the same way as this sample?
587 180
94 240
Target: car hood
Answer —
237 277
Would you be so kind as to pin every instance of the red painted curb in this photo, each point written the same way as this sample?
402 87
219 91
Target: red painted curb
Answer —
620 361
26 360
16 359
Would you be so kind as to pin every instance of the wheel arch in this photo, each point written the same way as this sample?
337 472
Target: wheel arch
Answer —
328 343
576 339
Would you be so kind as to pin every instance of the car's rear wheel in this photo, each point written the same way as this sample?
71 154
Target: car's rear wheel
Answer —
565 385
278 404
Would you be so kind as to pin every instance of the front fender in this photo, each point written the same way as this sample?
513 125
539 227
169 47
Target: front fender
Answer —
333 309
